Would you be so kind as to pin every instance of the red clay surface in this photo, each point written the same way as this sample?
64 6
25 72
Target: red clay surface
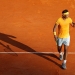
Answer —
26 26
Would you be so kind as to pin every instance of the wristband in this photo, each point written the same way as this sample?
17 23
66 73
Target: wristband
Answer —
54 33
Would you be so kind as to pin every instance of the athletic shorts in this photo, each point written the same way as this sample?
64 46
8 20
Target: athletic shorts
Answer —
65 41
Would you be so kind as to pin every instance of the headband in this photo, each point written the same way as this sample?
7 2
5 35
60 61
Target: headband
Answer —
66 13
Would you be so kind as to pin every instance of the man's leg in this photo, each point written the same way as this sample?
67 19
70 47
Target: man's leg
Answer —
60 52
59 49
65 57
65 52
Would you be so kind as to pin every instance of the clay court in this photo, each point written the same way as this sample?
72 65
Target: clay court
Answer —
27 45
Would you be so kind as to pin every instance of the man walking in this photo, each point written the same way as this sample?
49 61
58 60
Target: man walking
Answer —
63 37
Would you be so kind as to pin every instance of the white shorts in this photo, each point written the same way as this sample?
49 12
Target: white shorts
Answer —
65 41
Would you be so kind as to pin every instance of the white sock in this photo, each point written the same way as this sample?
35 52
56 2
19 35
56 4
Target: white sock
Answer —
64 61
60 53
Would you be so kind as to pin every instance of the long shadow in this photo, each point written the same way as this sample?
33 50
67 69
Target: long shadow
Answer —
8 39
8 49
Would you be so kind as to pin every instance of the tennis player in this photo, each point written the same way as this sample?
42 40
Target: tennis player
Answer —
63 37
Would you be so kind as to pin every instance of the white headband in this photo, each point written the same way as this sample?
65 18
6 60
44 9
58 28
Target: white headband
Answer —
66 13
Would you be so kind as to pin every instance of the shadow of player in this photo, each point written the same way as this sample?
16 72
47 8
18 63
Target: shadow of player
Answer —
8 39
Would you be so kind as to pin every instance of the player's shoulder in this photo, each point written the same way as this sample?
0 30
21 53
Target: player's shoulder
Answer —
69 18
59 19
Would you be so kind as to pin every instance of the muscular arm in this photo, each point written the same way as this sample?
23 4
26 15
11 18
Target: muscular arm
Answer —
54 30
72 24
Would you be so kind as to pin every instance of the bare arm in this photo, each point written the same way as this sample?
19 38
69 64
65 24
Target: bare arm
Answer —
72 24
54 30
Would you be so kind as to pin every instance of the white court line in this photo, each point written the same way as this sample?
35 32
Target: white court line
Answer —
29 52
34 52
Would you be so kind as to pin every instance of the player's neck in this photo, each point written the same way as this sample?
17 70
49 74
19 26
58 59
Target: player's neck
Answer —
64 18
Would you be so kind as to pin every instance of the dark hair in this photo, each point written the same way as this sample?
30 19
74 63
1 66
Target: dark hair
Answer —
64 11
